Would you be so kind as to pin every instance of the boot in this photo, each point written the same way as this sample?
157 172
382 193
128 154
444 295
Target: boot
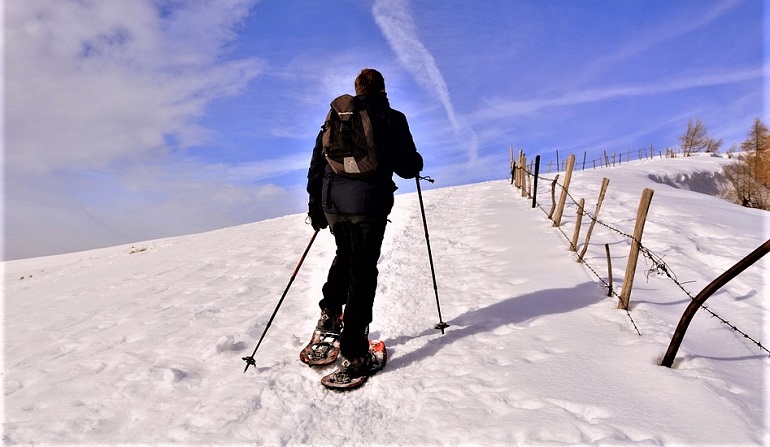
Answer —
351 369
329 322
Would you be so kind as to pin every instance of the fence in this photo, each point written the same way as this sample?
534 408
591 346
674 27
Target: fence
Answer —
524 174
612 159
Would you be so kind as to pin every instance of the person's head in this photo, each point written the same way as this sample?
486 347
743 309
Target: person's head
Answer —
369 81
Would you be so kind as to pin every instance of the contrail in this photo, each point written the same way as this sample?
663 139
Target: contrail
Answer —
394 19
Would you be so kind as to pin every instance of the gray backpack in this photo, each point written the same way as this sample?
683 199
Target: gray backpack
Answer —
348 140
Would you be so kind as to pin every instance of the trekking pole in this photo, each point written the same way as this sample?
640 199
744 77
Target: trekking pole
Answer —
250 360
440 325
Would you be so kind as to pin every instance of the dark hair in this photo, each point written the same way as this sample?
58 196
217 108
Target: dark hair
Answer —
369 81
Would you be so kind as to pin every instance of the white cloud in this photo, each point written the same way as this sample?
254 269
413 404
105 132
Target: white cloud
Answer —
132 203
89 83
100 97
502 109
395 20
267 169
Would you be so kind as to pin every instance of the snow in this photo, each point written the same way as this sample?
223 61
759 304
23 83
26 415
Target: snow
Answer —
142 344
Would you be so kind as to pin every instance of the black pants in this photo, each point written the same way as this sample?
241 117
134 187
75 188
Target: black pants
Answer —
352 280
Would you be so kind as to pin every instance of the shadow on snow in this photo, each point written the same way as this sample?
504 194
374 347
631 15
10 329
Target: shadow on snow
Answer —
514 310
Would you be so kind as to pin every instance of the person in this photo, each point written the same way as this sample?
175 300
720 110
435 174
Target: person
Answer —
356 211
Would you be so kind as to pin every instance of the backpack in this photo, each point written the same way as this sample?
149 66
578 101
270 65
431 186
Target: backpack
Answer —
348 140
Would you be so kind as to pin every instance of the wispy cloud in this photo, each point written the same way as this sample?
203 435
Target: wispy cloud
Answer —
655 36
267 169
395 20
504 109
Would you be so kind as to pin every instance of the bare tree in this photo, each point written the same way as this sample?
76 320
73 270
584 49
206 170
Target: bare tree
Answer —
713 145
694 139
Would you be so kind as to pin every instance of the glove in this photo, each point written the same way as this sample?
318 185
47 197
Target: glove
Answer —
317 218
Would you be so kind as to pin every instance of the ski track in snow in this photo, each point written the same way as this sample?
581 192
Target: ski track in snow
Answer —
108 347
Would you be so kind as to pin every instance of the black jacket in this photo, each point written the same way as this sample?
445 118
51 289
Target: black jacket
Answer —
337 194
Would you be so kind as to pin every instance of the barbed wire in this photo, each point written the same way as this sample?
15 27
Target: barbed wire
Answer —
605 284
658 265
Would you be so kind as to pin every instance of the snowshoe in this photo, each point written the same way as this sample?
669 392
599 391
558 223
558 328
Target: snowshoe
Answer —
324 346
353 373
323 349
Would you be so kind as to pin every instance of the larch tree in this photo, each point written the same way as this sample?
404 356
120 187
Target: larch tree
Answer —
749 176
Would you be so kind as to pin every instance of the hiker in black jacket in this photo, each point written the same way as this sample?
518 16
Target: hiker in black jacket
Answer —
356 210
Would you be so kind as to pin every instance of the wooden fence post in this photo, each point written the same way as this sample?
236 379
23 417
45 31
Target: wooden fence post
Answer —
633 256
609 268
578 221
534 188
564 191
516 171
529 180
524 175
553 196
605 183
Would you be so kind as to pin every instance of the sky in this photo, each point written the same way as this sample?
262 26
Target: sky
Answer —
126 121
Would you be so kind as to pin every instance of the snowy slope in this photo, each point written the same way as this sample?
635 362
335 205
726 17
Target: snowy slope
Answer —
109 346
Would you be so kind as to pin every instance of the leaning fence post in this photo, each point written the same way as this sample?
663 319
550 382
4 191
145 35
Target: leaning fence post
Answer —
578 221
605 183
564 191
709 290
636 245
553 196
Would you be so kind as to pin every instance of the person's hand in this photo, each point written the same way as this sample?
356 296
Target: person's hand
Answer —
317 218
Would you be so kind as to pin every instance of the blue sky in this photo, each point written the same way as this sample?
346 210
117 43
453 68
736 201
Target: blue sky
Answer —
133 120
